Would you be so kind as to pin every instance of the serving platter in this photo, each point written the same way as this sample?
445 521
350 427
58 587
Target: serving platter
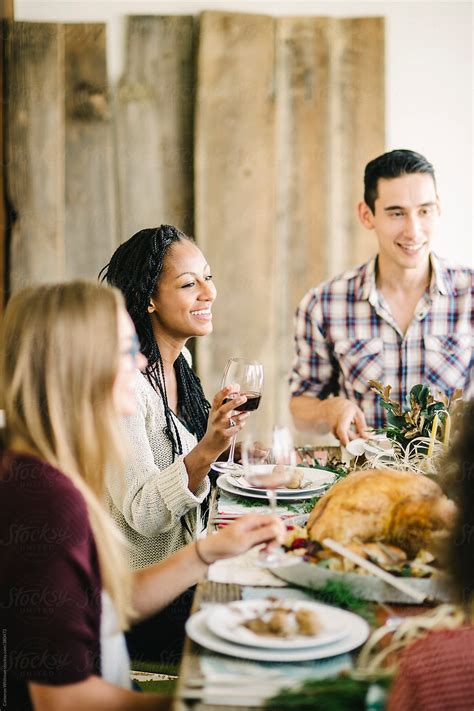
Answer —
367 587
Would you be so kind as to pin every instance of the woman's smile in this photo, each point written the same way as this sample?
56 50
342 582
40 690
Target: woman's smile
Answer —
202 314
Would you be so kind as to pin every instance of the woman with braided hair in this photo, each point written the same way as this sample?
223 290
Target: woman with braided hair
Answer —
175 433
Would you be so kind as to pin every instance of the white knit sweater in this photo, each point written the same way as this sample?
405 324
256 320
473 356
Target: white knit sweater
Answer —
149 504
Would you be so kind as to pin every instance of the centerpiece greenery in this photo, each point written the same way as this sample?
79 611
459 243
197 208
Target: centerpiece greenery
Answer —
426 420
339 694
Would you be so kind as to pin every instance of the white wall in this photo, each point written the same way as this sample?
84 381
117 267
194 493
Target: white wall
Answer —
428 88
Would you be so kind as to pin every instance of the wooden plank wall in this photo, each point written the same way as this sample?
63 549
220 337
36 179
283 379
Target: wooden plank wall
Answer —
283 148
361 68
6 14
60 177
253 138
155 125
35 183
90 233
234 179
302 185
4 227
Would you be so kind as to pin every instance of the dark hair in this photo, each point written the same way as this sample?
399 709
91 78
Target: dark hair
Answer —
135 268
393 165
460 486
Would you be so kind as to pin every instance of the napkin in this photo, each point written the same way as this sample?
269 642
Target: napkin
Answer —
237 682
228 504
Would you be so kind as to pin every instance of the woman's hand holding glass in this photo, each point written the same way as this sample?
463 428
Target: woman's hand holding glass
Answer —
221 425
245 378
224 422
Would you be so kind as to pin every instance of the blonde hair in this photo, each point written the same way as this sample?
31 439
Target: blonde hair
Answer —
59 364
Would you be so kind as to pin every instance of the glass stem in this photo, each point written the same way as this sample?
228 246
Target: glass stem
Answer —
230 459
271 493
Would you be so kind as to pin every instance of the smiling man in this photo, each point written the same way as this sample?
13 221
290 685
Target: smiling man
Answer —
403 318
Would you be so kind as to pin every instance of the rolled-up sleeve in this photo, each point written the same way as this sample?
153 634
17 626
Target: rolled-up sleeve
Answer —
313 371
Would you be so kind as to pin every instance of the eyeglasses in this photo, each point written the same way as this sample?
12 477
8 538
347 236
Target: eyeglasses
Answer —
134 349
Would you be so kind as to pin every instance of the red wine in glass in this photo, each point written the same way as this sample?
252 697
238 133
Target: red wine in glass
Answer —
248 375
251 404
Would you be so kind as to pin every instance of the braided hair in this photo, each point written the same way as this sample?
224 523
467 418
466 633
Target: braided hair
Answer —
135 268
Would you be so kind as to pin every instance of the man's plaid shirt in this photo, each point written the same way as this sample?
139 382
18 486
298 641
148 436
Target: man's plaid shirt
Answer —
345 336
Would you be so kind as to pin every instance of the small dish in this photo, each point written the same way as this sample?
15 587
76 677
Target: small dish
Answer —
378 445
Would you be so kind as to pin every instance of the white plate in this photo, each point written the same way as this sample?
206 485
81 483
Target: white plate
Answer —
198 631
226 622
314 479
223 483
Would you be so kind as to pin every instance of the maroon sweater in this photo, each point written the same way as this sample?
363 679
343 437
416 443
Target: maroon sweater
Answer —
50 583
436 673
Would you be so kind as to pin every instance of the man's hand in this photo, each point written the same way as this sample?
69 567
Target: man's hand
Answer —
336 414
341 414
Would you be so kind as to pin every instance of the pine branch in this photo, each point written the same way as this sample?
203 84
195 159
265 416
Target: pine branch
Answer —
339 694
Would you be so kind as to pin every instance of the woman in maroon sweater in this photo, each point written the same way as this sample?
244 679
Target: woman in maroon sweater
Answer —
66 593
437 672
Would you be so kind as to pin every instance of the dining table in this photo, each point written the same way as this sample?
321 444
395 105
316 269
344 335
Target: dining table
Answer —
211 676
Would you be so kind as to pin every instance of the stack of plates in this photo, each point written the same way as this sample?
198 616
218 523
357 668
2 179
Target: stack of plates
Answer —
219 628
315 481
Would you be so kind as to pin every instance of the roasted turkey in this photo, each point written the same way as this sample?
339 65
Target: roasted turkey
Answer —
400 508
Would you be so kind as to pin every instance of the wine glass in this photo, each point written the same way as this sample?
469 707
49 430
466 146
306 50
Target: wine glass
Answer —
270 465
248 374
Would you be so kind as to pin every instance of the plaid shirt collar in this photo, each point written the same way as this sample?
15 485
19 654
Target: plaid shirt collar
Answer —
440 280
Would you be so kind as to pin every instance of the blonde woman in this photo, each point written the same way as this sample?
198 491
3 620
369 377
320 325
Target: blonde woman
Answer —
66 593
